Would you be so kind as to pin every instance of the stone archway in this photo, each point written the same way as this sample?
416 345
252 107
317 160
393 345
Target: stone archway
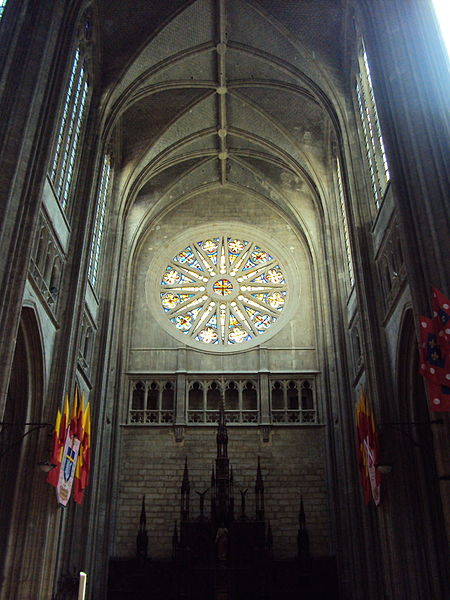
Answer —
416 442
23 499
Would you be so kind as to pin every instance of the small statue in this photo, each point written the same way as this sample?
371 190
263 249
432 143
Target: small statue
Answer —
222 542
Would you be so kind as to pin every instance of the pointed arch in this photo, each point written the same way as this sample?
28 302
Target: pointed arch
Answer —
415 448
23 444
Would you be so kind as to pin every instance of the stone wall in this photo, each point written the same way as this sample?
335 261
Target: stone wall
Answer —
292 464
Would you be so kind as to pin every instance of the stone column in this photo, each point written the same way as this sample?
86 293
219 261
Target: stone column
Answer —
30 34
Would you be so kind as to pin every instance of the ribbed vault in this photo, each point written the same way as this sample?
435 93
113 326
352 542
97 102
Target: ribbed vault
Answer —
205 100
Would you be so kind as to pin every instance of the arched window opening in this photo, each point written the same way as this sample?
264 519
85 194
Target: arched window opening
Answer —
277 396
231 396
70 129
442 14
308 410
55 276
39 253
87 344
2 7
167 403
307 396
153 396
249 397
213 396
373 141
348 250
292 396
292 402
138 398
152 402
196 396
167 400
99 221
49 256
42 251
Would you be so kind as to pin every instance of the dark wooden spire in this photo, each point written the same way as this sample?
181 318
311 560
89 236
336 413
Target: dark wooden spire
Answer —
222 433
222 474
259 493
301 516
185 490
303 538
175 541
142 537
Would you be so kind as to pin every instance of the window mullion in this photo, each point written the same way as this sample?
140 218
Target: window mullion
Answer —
2 7
62 134
345 222
74 141
375 150
99 221
73 107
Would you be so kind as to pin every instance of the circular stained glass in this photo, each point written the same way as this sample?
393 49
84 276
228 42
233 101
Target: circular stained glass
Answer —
223 287
223 290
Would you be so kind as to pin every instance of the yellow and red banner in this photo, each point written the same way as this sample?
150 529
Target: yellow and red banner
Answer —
71 450
67 469
83 464
368 449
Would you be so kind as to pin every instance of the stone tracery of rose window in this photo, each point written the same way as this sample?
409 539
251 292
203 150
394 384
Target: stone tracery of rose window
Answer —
223 290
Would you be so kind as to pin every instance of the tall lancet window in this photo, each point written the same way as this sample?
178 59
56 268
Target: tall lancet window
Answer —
374 146
2 7
348 249
100 218
70 129
442 10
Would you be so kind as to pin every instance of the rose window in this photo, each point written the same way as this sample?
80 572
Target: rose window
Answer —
223 290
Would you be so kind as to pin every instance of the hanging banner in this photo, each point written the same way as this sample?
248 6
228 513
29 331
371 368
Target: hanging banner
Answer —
367 450
67 470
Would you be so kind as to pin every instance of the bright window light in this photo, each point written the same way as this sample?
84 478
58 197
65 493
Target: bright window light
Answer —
442 8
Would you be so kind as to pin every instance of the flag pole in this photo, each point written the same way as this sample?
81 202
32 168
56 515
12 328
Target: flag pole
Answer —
82 586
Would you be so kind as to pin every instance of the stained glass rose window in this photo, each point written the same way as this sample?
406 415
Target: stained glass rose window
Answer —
223 290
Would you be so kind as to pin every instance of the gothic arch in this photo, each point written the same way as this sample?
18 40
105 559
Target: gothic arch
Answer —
413 448
23 445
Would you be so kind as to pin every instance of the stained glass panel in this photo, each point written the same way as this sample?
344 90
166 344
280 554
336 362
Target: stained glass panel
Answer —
223 290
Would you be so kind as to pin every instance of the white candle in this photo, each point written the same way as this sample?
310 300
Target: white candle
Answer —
82 587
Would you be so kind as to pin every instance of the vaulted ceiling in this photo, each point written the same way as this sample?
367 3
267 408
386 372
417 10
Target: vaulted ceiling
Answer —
223 92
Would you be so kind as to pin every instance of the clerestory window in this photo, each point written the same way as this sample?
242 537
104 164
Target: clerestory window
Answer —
70 130
442 10
373 140
2 7
100 219
348 249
